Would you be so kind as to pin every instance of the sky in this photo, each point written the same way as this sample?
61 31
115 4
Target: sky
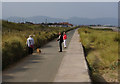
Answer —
60 9
59 0
0 10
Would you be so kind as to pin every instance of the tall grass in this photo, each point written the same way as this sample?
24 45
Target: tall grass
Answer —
14 37
101 48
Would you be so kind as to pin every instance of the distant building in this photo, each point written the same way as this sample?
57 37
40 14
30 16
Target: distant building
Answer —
63 24
28 23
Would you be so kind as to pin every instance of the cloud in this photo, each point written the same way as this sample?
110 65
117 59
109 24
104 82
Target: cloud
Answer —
60 0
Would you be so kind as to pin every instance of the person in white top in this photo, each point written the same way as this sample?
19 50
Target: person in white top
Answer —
30 44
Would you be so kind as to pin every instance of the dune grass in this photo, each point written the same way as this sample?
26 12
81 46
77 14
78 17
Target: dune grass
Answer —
101 49
14 36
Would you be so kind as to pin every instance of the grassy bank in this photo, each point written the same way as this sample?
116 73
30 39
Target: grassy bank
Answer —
101 50
14 37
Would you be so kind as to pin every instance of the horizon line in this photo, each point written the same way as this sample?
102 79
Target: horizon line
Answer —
58 17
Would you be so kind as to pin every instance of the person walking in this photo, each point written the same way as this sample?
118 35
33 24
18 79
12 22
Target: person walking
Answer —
64 39
30 44
60 39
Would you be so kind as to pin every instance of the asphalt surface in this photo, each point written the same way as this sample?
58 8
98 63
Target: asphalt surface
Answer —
74 67
38 67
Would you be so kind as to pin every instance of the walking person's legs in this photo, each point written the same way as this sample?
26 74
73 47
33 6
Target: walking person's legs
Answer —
60 44
29 50
64 43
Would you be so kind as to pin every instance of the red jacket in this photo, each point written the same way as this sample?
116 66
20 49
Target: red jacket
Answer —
64 37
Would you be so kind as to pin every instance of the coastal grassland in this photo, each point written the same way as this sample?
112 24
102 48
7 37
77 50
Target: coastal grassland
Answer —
101 51
14 37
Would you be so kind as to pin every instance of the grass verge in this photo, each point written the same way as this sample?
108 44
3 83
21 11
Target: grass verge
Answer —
101 51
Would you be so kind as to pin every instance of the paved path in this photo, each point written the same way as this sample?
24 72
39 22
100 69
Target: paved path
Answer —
51 65
73 67
38 67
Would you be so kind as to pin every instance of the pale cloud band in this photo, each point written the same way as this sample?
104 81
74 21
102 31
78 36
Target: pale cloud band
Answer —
59 0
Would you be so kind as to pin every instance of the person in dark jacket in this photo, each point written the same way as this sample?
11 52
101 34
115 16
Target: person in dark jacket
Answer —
60 39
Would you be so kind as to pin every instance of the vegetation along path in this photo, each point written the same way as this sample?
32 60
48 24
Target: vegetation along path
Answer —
38 67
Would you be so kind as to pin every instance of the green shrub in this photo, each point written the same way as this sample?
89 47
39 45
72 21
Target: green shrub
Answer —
12 52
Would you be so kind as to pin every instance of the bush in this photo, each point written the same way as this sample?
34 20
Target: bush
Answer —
12 52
